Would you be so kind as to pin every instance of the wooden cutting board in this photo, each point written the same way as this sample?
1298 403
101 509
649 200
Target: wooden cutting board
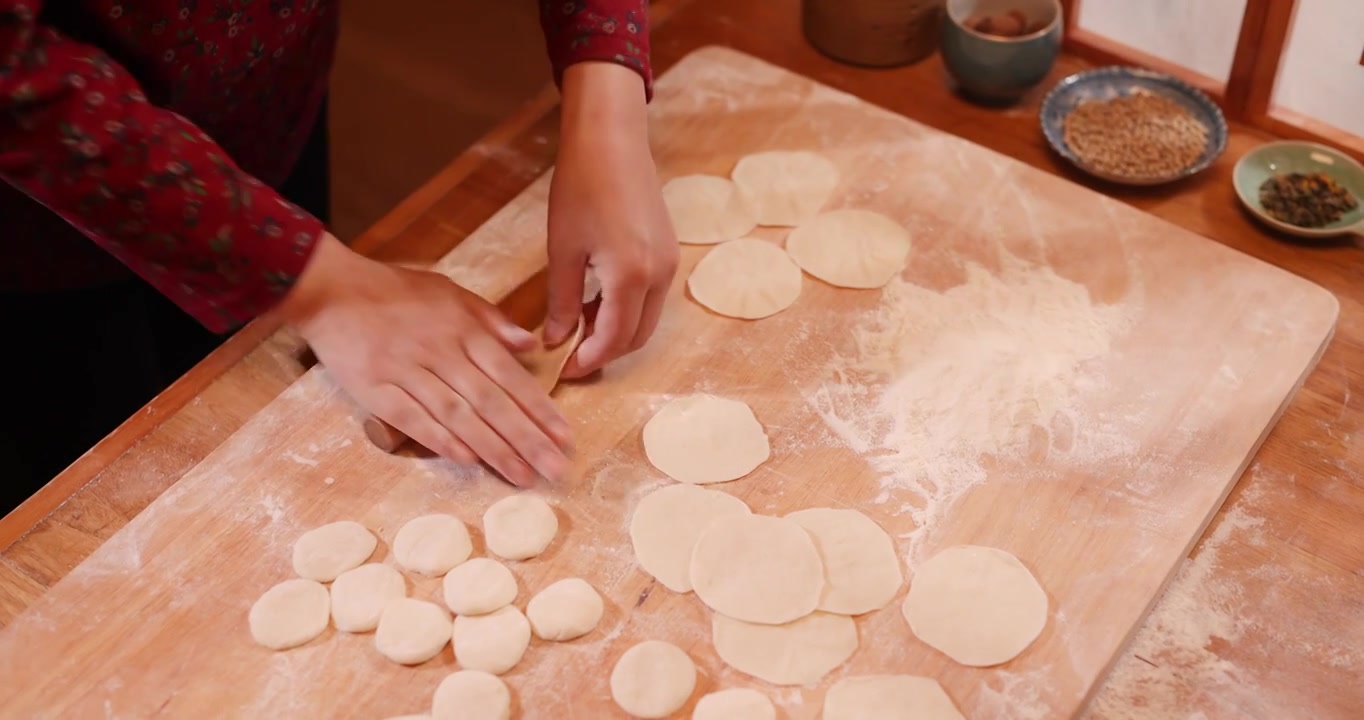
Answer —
1057 374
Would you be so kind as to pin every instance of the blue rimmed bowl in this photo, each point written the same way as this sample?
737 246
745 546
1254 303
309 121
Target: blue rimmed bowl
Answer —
1112 82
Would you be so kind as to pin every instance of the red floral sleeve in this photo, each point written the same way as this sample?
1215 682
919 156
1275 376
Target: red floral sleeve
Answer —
609 30
78 135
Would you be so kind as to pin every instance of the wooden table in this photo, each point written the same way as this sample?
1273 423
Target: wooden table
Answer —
1266 619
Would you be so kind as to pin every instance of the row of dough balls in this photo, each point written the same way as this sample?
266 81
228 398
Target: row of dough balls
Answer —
489 634
750 278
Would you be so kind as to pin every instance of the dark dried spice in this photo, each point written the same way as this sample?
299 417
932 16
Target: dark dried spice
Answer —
1309 200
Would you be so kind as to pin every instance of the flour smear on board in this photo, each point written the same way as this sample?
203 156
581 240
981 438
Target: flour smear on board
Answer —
935 381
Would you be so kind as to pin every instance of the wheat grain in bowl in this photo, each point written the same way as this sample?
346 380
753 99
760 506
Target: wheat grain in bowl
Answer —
1138 136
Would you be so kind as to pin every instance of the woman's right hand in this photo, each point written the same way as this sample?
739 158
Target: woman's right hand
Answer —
431 358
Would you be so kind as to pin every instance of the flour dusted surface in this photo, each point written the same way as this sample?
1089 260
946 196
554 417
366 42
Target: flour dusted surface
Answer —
1101 500
932 382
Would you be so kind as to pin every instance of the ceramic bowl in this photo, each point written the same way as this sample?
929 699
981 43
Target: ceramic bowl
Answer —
1116 81
994 68
1289 156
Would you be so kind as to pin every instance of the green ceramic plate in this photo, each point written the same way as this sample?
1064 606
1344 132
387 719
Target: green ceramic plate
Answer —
1288 156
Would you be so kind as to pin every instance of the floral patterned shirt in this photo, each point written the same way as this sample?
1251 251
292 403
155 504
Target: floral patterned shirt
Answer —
157 128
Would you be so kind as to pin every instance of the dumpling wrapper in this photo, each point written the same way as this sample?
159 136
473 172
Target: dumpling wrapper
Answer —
746 279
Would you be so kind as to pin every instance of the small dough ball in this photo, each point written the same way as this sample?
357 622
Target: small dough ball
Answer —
568 609
746 279
888 697
518 527
977 605
800 652
432 544
706 209
850 248
360 595
666 525
734 704
471 695
653 679
785 188
492 643
757 568
325 552
412 631
478 587
289 614
702 439
860 565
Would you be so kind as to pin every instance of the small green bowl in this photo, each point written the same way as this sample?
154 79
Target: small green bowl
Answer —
1290 156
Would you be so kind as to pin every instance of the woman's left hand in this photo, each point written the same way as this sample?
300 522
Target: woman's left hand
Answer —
606 212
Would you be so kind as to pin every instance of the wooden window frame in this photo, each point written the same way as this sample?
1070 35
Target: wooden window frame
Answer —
1247 95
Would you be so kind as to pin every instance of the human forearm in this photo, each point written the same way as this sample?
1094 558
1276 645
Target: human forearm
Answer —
78 135
612 31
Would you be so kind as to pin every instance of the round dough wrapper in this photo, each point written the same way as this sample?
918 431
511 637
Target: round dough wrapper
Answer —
706 209
888 697
850 248
325 552
785 188
518 527
432 544
978 605
861 569
702 439
289 614
567 609
653 679
666 525
746 279
734 704
800 652
757 568
492 643
360 595
412 631
471 695
479 586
